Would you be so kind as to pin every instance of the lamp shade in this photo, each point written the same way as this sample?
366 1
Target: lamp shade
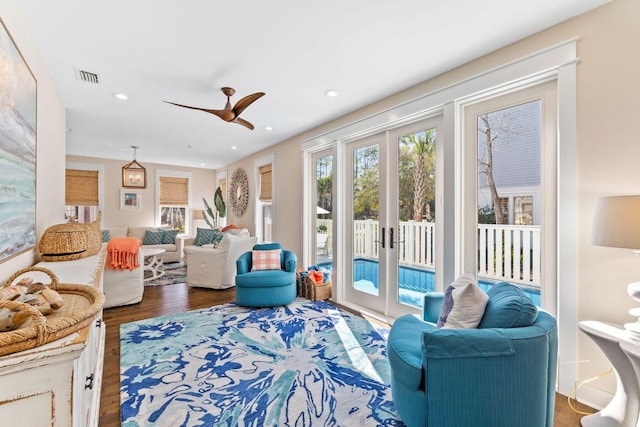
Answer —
198 214
616 222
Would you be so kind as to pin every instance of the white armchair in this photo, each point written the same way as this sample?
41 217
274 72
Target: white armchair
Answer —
215 268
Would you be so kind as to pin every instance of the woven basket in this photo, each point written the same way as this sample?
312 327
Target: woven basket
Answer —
81 305
68 242
316 292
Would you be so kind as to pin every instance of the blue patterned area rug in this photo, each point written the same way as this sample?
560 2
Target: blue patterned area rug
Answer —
306 364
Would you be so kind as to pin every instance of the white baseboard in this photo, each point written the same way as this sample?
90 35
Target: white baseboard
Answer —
593 397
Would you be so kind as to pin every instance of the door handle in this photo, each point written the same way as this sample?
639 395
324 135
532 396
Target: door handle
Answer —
382 237
390 237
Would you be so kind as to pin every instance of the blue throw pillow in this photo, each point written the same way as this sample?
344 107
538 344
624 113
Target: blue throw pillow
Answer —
508 307
105 236
207 236
169 236
152 237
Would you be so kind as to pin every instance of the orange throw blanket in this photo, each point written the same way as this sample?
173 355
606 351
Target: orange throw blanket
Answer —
122 253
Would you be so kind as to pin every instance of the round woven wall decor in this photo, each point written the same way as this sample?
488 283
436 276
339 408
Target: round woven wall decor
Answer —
239 192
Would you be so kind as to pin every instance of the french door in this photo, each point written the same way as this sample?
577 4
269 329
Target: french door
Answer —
510 143
391 192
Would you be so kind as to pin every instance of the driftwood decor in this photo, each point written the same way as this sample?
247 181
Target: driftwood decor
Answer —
239 192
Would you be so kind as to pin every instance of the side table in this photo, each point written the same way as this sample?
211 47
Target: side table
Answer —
623 409
153 262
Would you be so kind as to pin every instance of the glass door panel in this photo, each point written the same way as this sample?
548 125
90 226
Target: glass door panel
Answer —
416 215
365 270
392 218
515 190
323 162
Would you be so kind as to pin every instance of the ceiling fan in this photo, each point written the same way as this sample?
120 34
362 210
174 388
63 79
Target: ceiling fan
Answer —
229 114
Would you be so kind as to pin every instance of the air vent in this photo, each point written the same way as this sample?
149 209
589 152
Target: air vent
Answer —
87 76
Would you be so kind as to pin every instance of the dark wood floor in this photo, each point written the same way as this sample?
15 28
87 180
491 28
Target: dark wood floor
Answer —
160 300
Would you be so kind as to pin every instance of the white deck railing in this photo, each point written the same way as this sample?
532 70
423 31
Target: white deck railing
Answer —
505 252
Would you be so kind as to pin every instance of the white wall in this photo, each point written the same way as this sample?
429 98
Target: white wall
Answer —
50 137
608 155
203 184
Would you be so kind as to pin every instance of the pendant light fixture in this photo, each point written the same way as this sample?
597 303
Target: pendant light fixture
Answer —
134 175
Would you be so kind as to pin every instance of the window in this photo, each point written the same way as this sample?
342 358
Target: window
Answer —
174 202
265 202
523 210
81 196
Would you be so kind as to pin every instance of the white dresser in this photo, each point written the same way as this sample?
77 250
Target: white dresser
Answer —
58 384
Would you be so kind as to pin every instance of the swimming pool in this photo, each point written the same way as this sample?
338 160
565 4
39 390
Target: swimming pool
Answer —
414 282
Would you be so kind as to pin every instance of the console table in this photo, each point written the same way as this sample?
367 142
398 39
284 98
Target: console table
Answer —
624 407
58 384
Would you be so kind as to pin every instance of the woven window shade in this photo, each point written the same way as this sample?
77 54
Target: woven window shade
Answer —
265 183
174 191
81 188
223 188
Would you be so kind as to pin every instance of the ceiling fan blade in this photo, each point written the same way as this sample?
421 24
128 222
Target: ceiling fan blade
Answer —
245 102
242 122
226 115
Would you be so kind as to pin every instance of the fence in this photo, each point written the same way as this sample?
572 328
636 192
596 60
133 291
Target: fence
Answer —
505 252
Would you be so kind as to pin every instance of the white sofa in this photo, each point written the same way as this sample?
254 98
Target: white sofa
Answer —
123 287
215 268
173 252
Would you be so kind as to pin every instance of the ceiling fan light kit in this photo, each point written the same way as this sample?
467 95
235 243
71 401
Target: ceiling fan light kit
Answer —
229 114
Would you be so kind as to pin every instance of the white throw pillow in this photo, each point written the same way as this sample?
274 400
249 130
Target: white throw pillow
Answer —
464 304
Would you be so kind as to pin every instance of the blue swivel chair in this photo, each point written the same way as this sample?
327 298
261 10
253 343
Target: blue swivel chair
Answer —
501 374
266 288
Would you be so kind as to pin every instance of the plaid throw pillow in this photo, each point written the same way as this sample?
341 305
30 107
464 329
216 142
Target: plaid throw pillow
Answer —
266 260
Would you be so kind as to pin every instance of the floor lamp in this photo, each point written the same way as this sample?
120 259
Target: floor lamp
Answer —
616 224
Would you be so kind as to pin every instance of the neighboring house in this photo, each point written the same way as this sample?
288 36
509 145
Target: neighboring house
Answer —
516 163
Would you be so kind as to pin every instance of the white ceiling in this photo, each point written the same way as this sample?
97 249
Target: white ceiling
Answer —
185 51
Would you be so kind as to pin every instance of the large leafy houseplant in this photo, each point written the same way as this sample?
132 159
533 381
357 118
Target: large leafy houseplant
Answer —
211 216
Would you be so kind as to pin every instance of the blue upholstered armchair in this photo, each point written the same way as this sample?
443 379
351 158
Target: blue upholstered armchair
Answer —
266 288
502 374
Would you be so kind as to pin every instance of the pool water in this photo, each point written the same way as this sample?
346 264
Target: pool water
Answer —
414 282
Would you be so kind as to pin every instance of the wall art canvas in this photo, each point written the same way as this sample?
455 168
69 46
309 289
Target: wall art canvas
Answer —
17 150
130 199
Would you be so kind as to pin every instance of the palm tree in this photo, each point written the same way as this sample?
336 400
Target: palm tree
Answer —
424 150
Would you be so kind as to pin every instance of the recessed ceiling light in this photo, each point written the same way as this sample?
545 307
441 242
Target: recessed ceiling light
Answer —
332 93
268 128
233 147
203 164
121 96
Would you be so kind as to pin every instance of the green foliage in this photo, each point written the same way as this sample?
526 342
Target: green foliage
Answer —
416 155
486 215
218 200
211 216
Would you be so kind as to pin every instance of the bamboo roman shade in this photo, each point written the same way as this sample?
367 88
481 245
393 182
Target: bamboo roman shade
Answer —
223 188
174 191
265 183
81 188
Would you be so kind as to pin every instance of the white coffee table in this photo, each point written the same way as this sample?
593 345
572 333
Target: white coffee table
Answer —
153 262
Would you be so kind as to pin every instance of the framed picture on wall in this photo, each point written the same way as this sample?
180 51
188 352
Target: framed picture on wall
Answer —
18 150
130 199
